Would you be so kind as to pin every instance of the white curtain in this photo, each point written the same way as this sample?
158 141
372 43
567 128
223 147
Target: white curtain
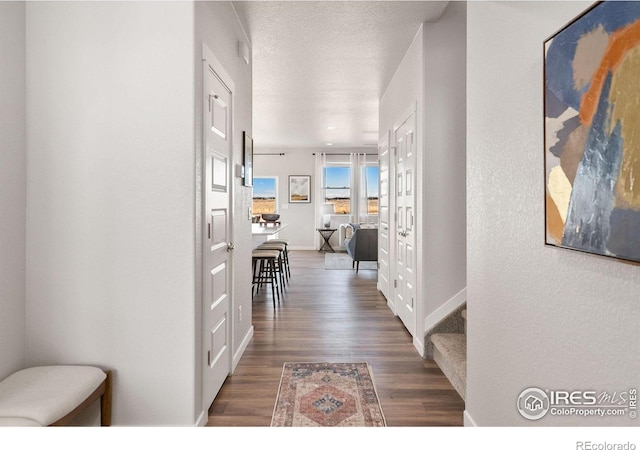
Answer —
363 160
321 162
360 185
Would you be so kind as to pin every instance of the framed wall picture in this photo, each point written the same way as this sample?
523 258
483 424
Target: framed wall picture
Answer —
299 188
591 135
247 159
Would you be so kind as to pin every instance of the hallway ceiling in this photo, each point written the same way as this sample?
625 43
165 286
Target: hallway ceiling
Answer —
322 64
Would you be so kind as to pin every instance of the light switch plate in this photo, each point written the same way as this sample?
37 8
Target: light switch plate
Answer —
239 171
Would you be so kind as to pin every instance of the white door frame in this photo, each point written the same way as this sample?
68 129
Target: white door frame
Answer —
385 152
412 110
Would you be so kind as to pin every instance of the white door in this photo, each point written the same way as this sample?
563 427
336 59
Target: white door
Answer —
217 255
384 225
405 251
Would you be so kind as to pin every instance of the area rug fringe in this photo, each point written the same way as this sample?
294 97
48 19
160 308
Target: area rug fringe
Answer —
337 413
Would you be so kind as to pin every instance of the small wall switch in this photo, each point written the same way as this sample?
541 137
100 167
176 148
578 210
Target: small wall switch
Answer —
284 206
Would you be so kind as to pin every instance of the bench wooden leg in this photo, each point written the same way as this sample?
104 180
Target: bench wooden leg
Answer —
105 402
104 393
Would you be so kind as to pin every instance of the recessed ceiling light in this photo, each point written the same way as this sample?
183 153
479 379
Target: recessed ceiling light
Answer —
331 128
329 143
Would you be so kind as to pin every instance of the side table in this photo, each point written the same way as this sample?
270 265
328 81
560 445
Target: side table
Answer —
326 235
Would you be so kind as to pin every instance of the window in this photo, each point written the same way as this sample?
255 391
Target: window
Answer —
350 182
264 195
371 176
337 188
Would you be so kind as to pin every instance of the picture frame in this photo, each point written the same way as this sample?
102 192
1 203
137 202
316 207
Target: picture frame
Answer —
299 188
247 159
591 142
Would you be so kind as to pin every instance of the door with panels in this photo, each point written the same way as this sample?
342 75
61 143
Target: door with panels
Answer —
217 255
405 195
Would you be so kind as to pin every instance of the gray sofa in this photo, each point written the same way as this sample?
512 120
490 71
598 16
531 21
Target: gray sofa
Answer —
363 246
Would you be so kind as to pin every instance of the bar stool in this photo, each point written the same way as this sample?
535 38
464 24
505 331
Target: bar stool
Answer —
286 253
281 268
265 263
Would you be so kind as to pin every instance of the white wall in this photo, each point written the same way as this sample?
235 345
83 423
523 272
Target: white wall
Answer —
110 199
12 186
300 217
444 186
219 28
405 89
537 316
403 94
432 76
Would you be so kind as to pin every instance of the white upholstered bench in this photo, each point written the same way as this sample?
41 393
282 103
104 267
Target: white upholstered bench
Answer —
53 395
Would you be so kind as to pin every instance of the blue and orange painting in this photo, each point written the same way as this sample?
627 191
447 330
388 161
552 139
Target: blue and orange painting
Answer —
592 132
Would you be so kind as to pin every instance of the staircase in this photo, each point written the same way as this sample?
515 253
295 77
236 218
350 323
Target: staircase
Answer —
446 344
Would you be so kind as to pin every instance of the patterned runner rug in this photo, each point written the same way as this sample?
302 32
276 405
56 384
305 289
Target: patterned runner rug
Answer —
327 395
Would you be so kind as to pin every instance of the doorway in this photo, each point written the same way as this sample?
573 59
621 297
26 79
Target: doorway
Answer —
218 226
404 196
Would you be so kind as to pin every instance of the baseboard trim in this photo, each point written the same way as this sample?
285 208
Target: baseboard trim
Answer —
419 345
241 349
468 420
202 419
392 307
445 309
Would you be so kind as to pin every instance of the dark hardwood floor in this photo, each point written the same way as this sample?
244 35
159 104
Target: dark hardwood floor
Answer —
334 316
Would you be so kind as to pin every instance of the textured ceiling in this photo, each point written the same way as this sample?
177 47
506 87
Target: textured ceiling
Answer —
321 64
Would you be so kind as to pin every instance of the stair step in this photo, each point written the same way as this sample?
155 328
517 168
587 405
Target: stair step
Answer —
450 352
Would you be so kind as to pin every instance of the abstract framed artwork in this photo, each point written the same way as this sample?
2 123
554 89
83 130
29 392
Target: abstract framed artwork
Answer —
299 189
592 132
247 159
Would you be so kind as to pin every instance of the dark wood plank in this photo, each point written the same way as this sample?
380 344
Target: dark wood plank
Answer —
334 316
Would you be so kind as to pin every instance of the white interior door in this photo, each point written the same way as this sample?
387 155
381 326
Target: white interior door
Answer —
384 215
217 255
405 251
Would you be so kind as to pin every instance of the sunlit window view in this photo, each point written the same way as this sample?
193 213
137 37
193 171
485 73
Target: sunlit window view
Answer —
337 182
338 188
264 195
371 179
